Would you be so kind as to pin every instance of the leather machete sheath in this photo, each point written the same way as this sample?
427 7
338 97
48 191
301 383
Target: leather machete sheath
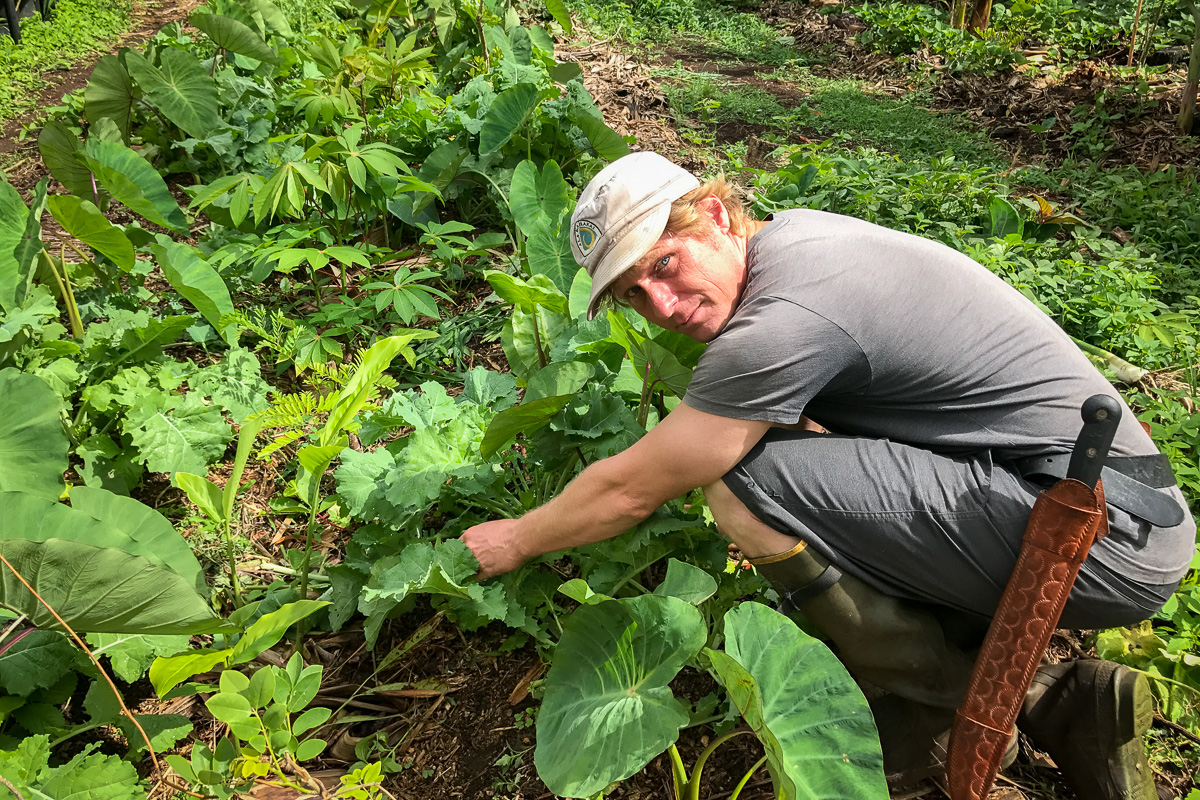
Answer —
1065 520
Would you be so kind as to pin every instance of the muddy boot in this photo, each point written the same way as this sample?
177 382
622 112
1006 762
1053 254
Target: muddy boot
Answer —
893 644
1090 716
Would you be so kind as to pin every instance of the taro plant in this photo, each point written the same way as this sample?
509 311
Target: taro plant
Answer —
616 658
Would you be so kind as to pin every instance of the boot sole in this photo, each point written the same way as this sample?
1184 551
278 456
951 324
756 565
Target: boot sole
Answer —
1135 715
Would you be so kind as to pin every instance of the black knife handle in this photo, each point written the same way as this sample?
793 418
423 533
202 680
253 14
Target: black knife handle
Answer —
1101 414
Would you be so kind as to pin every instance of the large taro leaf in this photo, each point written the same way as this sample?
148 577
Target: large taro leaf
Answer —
180 88
195 279
100 590
17 269
154 535
131 180
33 444
608 709
550 254
804 707
229 34
58 146
109 93
13 218
605 141
97 521
85 222
537 198
506 115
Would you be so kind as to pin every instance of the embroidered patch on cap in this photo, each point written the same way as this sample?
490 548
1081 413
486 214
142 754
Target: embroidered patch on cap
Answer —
586 235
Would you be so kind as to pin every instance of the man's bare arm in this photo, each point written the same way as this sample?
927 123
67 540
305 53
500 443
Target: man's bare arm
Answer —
688 449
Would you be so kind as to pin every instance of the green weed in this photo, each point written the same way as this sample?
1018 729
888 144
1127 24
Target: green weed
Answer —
901 125
76 28
726 31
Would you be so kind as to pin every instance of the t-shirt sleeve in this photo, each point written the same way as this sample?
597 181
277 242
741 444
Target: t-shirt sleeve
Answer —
772 358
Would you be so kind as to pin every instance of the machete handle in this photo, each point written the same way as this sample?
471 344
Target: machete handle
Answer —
1101 414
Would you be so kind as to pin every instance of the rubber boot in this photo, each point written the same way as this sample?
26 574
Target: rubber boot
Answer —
1090 716
890 643
893 644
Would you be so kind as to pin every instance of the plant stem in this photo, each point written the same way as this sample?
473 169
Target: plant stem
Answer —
78 641
233 578
678 772
693 786
737 790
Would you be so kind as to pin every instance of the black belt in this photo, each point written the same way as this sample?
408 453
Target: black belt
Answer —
1131 483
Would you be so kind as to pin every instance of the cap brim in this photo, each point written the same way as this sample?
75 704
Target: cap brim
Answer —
633 245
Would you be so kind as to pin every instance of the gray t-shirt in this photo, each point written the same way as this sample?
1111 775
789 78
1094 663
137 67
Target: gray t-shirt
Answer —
874 332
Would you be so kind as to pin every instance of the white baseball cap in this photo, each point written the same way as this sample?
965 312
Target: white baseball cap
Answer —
621 213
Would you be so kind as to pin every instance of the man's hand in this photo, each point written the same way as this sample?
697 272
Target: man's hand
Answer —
497 546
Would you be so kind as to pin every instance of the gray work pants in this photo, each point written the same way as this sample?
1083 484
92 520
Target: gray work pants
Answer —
918 525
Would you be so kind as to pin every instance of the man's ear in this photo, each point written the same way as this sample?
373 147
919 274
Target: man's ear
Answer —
716 211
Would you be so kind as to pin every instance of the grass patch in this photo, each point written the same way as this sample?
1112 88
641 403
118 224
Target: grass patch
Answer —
903 126
724 30
714 98
76 28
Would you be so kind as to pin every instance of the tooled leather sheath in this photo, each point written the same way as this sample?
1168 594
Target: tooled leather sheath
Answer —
1064 522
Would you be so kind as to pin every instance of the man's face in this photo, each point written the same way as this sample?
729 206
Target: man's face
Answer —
686 284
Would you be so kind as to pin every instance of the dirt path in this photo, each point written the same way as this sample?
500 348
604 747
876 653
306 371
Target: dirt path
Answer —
148 17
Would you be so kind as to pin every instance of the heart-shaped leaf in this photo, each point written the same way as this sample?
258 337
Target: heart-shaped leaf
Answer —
180 88
109 93
85 222
608 709
131 180
804 707
229 34
508 112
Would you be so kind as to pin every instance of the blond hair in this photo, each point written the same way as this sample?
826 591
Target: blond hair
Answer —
687 219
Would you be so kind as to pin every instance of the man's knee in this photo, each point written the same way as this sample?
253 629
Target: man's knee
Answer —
729 512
